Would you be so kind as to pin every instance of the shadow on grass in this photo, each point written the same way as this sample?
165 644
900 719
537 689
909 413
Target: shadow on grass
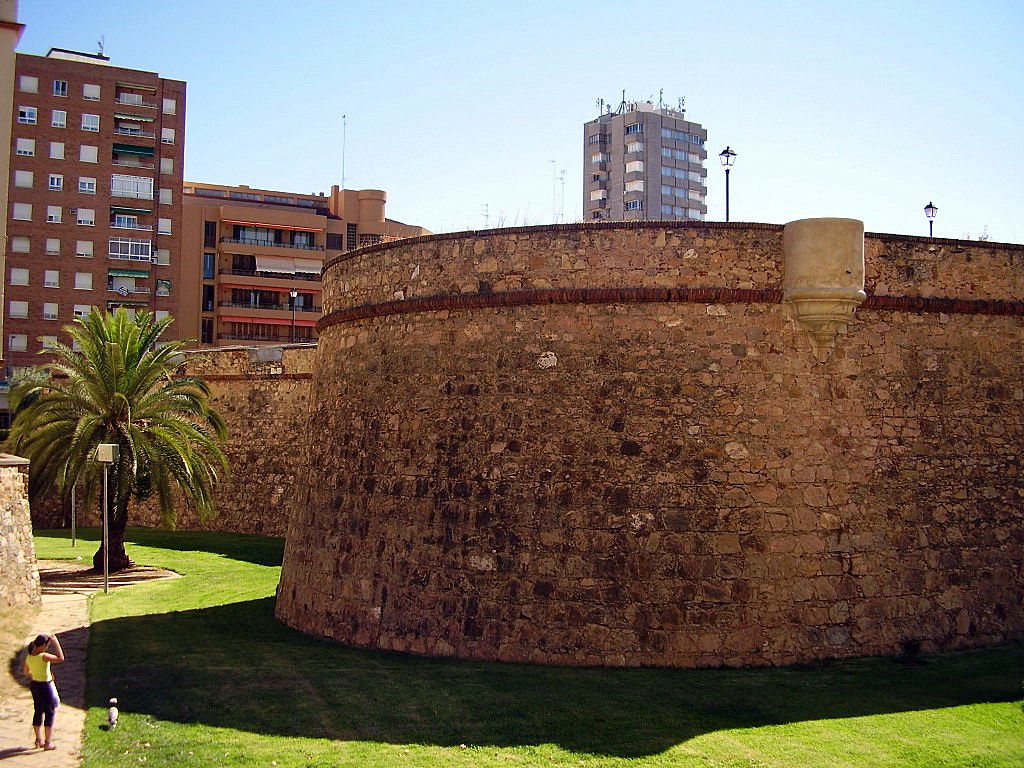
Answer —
259 550
236 666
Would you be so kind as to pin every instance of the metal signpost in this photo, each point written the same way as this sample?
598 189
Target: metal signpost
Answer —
106 454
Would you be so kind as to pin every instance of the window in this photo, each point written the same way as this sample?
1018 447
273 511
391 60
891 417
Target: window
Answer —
17 342
679 173
680 192
634 205
163 226
55 182
83 281
124 221
667 171
209 234
59 118
87 154
666 152
163 287
165 196
21 211
49 342
166 165
599 157
60 87
27 115
23 179
20 245
598 138
130 98
209 265
83 248
130 248
139 187
50 310
598 194
87 185
635 146
53 246
163 256
90 123
207 298
166 135
56 150
635 166
161 314
19 276
28 84
635 186
54 214
86 217
696 195
51 278
26 147
666 190
170 106
666 210
81 310
634 128
350 236
693 158
18 309
91 92
207 331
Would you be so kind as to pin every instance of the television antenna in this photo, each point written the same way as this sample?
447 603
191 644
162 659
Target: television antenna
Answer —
99 44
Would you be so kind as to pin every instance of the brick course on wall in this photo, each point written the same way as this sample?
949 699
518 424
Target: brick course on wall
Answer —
19 576
635 482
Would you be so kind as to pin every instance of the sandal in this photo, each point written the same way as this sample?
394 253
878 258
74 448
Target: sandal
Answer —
49 745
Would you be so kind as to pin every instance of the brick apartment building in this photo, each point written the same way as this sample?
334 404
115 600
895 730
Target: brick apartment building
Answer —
643 162
252 258
95 207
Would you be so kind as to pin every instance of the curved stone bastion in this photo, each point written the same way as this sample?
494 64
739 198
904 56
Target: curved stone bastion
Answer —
686 444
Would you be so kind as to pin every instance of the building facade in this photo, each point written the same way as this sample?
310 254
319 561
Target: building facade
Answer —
643 162
94 212
253 257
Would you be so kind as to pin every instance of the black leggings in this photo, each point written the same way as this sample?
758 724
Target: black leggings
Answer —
44 701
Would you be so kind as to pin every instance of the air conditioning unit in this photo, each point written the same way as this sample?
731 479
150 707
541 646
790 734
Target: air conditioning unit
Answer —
72 211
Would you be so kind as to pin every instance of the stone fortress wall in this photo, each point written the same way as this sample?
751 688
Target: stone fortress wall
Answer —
19 575
606 444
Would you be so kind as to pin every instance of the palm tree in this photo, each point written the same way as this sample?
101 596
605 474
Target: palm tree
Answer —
120 388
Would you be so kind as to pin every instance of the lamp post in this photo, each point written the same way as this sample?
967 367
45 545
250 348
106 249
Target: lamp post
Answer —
292 295
930 210
106 454
728 157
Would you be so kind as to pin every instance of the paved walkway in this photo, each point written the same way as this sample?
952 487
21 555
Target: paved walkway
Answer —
65 611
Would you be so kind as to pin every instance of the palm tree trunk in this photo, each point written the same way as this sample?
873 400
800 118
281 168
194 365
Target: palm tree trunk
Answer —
117 517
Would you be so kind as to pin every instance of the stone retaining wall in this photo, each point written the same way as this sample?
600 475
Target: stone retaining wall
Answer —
19 576
512 474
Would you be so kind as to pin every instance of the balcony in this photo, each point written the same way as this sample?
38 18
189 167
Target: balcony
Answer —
267 244
277 307
125 290
136 227
306 276
279 338
137 133
133 164
123 257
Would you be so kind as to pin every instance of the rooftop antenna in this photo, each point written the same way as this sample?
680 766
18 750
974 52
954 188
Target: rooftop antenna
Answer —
622 104
561 207
344 131
485 209
99 44
600 106
682 105
661 102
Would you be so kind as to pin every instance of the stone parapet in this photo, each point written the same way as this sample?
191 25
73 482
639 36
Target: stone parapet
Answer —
19 575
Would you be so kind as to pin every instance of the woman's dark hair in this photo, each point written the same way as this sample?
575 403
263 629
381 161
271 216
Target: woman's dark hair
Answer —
41 640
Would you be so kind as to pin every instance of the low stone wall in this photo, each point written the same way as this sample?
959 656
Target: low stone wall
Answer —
19 576
608 445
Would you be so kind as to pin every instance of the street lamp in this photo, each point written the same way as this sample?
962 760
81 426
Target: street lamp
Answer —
930 210
292 295
106 454
728 157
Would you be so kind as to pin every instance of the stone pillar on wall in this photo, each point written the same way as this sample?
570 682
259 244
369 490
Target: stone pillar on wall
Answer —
19 574
823 277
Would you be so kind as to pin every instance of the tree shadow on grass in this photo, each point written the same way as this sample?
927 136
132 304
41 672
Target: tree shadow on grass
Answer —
259 550
236 666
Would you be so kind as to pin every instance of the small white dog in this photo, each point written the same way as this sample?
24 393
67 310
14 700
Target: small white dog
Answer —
112 713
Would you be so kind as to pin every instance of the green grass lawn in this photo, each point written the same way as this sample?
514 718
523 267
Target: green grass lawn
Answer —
207 677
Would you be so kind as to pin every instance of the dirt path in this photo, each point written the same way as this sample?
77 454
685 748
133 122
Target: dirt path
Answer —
65 611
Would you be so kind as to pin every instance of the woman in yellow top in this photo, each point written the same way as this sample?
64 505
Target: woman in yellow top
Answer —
44 692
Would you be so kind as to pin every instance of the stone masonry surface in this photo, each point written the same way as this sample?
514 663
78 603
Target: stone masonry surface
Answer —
677 483
19 576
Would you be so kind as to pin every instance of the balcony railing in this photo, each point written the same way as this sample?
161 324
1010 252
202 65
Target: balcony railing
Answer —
127 257
308 276
128 289
129 100
139 227
126 164
268 244
132 193
133 132
279 307
281 338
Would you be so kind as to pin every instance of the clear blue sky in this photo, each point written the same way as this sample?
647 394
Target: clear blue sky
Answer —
865 109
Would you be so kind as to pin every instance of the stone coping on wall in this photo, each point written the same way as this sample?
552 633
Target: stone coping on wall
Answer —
603 225
9 460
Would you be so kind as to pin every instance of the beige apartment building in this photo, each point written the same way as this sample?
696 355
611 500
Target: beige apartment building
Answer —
94 211
643 162
253 258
